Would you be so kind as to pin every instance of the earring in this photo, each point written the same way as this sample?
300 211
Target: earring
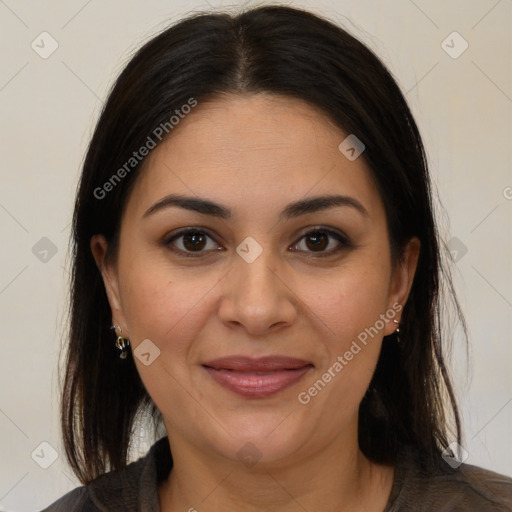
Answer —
397 331
121 343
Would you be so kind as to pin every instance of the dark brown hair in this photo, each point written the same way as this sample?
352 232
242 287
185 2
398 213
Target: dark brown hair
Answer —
289 52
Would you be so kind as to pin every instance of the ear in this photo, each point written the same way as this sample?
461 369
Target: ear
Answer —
401 281
99 247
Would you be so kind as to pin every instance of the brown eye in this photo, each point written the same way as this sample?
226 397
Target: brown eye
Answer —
318 240
194 241
191 241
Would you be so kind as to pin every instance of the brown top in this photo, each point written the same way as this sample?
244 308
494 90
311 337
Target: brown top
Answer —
134 488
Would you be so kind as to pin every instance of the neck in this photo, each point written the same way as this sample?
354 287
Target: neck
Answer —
337 478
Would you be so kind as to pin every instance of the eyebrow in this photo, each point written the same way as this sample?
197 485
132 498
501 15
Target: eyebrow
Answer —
293 210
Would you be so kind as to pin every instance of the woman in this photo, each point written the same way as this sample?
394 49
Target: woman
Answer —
256 263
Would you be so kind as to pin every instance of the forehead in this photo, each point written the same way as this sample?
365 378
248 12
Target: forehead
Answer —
256 150
236 128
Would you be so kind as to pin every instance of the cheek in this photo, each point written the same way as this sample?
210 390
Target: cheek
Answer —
170 312
349 300
164 306
348 308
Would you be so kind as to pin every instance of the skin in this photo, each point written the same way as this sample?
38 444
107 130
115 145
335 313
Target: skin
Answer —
256 154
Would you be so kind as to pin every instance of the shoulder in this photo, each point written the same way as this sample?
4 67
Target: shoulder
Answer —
130 488
110 491
465 488
77 500
481 487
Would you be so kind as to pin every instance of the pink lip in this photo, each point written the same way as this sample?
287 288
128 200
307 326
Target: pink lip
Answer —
259 364
257 377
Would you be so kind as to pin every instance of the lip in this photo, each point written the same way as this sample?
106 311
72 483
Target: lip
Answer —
260 364
257 378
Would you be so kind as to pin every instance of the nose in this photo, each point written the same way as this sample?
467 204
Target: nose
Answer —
257 297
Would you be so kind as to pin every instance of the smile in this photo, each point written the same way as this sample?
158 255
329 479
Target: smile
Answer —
257 384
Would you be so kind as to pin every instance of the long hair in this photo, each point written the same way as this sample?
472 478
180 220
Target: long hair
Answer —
284 51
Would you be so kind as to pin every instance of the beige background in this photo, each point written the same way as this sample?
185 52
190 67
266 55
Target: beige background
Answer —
48 106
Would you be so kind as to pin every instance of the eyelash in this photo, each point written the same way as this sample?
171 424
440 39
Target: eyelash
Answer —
345 243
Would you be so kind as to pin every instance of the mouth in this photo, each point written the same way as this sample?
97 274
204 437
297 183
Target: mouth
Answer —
257 378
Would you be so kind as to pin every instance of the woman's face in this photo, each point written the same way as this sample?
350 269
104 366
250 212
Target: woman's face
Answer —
269 279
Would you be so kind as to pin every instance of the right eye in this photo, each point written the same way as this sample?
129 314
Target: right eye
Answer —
191 240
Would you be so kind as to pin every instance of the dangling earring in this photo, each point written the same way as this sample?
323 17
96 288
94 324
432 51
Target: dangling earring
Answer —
121 343
397 331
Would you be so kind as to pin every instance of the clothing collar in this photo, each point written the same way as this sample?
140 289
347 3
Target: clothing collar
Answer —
135 487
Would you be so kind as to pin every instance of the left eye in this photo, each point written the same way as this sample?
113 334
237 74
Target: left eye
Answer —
194 242
319 239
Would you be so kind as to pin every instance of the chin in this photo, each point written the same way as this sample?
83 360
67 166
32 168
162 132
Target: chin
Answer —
262 443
